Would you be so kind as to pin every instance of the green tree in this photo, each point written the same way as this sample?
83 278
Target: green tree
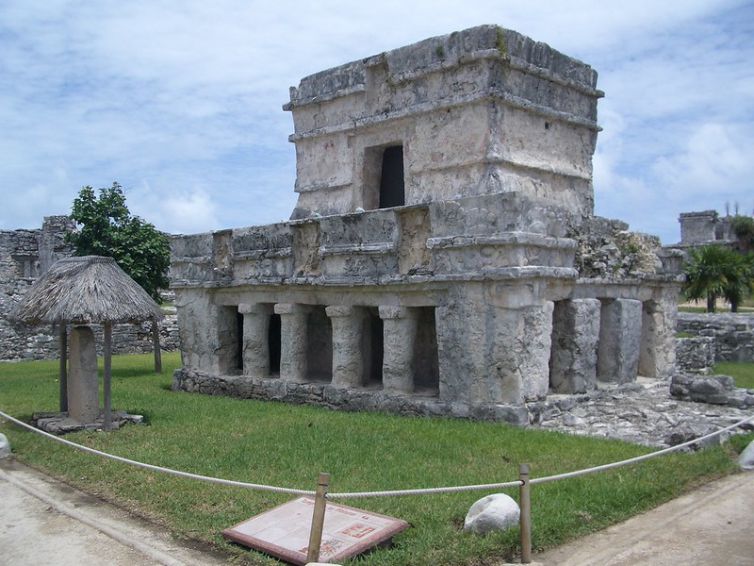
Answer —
106 227
743 228
715 271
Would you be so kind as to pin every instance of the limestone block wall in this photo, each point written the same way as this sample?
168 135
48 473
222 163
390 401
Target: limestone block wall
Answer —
732 334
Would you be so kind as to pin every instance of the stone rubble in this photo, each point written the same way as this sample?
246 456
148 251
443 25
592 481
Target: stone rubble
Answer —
642 412
61 423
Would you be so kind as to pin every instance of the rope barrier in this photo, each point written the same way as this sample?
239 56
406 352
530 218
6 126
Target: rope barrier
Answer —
389 493
636 459
210 479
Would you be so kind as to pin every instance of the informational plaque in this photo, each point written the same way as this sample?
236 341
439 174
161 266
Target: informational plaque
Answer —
283 532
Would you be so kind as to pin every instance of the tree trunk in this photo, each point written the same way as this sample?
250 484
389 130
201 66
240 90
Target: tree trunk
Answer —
711 300
156 346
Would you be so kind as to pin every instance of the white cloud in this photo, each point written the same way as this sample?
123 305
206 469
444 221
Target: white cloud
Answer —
180 101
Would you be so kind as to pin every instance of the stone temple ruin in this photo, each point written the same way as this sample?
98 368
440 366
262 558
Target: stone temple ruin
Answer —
443 257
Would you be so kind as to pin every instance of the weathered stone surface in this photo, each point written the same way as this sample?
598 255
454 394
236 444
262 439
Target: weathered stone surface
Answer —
746 458
347 330
695 355
495 513
620 334
573 360
716 389
256 351
83 383
5 450
400 326
642 412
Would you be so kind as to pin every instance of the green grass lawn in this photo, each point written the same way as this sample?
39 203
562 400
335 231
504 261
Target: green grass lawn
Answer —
742 372
269 442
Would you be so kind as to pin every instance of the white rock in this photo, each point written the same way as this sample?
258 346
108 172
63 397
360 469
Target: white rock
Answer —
496 512
4 446
746 459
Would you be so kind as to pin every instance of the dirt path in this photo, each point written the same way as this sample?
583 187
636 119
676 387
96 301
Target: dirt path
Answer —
43 521
712 525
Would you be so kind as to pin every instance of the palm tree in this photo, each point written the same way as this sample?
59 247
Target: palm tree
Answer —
716 271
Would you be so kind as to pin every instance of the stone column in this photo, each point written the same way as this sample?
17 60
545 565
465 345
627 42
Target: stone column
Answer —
620 336
399 327
575 332
520 344
294 340
256 347
83 385
657 354
347 330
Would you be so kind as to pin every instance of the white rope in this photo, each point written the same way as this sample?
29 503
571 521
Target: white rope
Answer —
391 493
637 458
424 491
233 483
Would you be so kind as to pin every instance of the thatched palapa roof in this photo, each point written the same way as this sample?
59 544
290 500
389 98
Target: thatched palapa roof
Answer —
86 290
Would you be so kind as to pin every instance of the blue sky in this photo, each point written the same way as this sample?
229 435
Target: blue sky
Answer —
180 101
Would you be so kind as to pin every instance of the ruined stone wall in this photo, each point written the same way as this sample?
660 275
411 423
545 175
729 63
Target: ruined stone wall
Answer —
27 254
733 334
24 254
705 227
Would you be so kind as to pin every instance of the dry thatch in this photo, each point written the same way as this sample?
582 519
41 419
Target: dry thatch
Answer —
86 290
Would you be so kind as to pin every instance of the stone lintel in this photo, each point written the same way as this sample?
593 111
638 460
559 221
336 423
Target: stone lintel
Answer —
337 311
254 308
291 308
391 312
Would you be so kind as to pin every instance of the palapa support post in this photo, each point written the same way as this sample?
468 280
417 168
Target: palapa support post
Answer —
63 378
524 503
318 517
156 346
108 328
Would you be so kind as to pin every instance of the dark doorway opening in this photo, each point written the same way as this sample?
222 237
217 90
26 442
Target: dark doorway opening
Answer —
319 344
392 191
372 347
273 343
238 349
426 359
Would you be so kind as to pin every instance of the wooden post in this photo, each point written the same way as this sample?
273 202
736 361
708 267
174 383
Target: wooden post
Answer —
318 518
63 378
108 328
156 346
524 503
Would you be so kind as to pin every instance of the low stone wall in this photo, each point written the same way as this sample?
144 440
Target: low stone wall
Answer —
732 334
325 394
21 342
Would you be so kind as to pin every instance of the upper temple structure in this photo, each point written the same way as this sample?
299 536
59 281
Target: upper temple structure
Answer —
443 256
